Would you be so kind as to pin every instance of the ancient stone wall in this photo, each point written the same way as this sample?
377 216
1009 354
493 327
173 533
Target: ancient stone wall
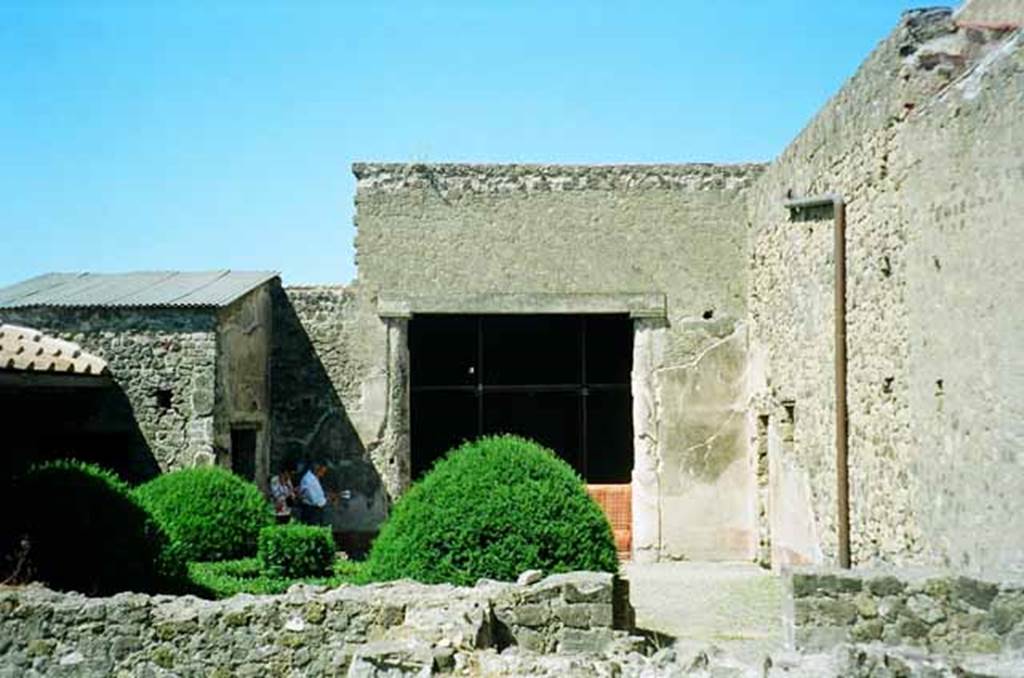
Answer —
163 359
874 143
243 375
991 13
329 385
307 631
940 612
457 237
966 384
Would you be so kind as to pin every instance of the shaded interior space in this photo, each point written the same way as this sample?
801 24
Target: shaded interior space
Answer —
243 452
562 380
52 416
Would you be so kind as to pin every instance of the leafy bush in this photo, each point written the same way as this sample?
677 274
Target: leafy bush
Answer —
493 508
296 550
210 513
229 577
87 532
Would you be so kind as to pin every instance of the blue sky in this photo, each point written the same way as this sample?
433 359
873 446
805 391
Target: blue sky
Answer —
199 135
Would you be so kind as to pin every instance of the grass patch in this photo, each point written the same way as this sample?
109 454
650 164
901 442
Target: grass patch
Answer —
226 578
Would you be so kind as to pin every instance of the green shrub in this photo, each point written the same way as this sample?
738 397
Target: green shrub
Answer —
296 550
229 577
492 509
87 532
210 513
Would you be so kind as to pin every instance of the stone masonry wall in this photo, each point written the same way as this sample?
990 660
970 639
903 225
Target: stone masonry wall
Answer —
863 145
940 612
478 231
329 384
150 350
405 627
243 375
966 328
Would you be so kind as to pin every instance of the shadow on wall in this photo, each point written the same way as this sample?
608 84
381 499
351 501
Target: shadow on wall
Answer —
309 421
93 424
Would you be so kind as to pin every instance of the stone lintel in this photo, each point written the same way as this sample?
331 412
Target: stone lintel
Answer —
637 305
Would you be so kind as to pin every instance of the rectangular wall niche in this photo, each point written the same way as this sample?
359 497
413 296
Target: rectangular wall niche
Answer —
562 380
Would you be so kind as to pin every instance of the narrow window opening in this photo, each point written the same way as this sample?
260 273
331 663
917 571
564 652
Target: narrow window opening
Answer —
762 448
164 398
787 426
886 266
764 547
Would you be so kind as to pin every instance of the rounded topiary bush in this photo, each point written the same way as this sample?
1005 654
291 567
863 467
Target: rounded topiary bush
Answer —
296 551
85 531
210 513
492 509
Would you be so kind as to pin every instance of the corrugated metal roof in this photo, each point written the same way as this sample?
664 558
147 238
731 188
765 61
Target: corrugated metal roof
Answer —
144 288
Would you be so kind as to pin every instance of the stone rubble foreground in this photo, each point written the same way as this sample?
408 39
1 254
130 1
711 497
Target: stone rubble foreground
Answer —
575 624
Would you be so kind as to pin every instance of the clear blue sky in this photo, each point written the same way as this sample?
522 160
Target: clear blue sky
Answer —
198 135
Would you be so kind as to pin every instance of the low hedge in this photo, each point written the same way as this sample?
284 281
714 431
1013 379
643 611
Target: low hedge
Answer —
86 532
229 577
492 509
210 513
295 550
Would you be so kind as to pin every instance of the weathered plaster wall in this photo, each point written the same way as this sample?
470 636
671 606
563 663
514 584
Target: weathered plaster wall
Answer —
879 144
243 374
150 350
966 387
991 13
463 232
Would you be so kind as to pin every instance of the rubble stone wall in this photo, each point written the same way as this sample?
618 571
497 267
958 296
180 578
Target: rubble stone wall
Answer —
328 381
966 330
922 144
939 612
148 351
402 626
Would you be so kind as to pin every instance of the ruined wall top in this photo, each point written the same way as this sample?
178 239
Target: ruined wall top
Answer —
991 14
448 178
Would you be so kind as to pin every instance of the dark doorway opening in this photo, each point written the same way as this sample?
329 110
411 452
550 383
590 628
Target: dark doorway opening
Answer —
243 452
562 380
46 416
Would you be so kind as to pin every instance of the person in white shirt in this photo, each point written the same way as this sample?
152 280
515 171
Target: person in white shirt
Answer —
311 495
282 492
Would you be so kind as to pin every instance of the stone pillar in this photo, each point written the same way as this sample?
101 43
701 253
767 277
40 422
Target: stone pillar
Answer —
393 453
648 350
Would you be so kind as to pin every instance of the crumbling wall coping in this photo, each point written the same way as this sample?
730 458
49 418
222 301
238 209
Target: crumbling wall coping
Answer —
453 179
933 609
993 14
